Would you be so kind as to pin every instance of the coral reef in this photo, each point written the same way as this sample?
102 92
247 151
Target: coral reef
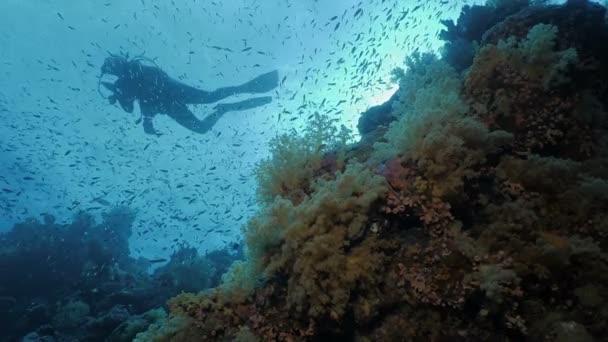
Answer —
66 282
465 35
297 160
376 116
480 213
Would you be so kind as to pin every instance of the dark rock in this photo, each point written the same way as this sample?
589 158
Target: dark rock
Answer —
35 337
104 325
45 333
582 25
127 330
376 116
470 27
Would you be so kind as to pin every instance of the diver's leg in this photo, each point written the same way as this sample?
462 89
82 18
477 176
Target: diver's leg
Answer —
183 116
261 84
209 121
243 105
182 93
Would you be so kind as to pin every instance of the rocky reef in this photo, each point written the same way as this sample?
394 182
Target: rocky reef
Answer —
77 281
475 212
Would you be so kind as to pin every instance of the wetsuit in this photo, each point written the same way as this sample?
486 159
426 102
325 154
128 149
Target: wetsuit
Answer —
159 93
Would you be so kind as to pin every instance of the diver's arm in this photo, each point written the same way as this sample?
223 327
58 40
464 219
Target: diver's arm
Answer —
111 87
119 93
125 94
149 126
126 104
147 116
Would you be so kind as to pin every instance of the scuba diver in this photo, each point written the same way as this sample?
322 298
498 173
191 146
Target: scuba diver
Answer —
157 93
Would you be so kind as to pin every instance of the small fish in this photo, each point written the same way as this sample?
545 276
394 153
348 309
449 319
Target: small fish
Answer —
156 261
101 201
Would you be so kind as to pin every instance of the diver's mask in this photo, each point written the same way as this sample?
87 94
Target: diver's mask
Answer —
113 65
118 66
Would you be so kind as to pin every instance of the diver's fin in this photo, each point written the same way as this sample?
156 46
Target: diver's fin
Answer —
183 116
261 84
242 105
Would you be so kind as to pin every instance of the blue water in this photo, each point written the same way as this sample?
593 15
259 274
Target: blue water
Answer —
65 149
101 220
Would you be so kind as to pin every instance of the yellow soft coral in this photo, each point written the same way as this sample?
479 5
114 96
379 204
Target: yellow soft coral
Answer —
433 130
429 91
533 56
294 159
290 169
314 241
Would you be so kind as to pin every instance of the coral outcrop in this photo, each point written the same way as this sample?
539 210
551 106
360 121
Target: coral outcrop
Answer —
479 214
76 281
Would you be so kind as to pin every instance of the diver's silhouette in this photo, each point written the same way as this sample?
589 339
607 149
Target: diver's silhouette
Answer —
159 93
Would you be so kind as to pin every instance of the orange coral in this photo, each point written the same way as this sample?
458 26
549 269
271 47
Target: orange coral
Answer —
508 90
411 196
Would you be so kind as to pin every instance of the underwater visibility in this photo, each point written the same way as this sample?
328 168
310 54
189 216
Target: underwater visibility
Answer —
282 170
